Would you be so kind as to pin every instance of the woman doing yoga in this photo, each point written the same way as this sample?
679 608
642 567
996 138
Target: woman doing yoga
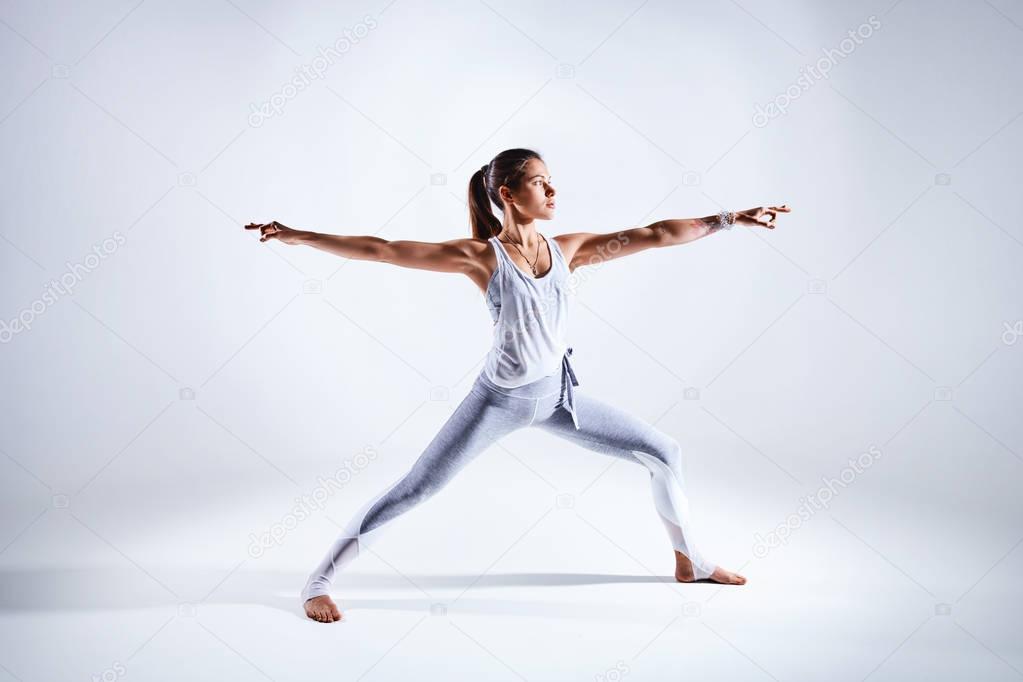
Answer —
527 379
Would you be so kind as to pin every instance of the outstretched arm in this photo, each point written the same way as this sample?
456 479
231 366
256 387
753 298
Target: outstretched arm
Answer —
586 248
455 255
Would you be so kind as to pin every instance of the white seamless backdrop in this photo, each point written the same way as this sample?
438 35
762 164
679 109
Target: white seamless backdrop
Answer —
188 416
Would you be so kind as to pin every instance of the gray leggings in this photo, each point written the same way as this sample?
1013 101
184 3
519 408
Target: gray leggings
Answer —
490 412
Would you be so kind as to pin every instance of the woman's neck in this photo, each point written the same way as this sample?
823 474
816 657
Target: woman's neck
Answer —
524 234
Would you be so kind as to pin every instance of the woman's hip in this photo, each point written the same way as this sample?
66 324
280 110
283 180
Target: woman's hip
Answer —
544 387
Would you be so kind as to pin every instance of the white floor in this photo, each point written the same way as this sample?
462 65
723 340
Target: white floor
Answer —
552 594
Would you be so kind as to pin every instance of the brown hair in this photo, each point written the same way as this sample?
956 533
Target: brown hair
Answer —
503 169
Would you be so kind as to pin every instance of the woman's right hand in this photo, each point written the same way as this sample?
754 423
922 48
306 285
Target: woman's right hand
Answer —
276 230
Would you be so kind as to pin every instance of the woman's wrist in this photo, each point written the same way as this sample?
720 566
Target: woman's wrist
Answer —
726 219
721 220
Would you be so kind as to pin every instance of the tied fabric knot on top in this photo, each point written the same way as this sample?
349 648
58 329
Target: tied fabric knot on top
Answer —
568 380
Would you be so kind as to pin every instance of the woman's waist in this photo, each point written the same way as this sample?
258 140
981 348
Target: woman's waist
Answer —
546 385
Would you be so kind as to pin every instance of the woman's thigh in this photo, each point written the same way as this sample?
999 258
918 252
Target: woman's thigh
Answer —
477 422
609 429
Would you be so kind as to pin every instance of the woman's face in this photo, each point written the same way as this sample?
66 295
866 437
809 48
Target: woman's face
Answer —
535 197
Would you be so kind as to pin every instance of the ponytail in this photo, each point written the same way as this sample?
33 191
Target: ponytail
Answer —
484 223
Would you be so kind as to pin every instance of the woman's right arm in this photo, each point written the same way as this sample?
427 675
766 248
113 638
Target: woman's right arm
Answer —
456 255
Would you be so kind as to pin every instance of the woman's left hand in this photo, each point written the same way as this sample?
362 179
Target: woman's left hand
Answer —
276 230
755 216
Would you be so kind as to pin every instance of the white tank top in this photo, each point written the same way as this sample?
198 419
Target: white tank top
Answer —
529 319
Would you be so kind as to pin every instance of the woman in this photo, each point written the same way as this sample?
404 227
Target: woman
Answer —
526 379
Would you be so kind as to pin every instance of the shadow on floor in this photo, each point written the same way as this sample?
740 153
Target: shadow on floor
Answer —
190 589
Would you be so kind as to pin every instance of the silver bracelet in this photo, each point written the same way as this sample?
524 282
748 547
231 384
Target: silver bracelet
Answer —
726 219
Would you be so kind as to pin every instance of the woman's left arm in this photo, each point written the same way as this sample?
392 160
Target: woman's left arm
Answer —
587 248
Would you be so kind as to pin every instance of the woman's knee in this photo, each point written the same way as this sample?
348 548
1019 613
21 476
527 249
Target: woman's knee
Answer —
667 454
418 492
673 455
399 500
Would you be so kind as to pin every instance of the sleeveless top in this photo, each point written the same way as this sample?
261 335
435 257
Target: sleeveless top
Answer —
530 319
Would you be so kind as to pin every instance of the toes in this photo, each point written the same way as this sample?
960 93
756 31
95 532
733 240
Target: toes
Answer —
322 611
325 614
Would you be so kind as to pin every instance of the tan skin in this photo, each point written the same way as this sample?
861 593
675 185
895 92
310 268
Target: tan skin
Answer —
533 200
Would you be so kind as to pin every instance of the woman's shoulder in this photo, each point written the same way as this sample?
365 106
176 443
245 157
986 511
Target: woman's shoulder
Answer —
483 261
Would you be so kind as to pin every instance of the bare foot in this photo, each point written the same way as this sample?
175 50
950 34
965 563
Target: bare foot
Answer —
684 572
322 608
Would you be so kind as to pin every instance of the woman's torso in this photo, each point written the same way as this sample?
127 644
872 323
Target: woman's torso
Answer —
530 318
